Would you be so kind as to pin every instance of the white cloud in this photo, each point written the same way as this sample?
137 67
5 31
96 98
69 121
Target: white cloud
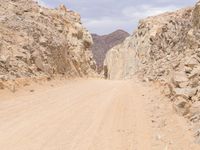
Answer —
127 20
108 24
104 16
143 11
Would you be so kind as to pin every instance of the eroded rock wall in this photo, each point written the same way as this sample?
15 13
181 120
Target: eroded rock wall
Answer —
153 47
37 41
164 48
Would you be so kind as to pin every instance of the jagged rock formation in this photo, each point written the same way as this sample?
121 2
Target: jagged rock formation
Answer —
156 38
37 41
164 48
103 43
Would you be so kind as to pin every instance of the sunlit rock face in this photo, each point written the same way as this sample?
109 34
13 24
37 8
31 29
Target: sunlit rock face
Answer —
37 41
154 48
165 49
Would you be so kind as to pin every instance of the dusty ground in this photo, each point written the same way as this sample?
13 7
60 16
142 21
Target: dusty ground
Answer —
91 115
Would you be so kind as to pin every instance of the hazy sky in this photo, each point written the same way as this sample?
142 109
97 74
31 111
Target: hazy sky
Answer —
105 16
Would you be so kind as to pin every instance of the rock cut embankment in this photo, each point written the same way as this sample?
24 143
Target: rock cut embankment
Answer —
164 48
37 42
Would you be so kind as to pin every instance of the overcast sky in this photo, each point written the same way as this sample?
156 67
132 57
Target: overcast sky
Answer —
105 16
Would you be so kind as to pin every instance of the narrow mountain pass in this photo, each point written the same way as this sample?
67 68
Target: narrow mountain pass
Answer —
92 114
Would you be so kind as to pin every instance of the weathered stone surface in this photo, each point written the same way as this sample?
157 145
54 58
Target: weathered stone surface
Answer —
167 90
191 62
105 42
1 86
188 92
195 18
195 112
120 62
37 41
156 48
180 77
181 106
164 48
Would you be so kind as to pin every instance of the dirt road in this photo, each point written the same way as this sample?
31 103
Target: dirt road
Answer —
91 115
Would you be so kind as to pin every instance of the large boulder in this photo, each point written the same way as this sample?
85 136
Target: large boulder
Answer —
181 106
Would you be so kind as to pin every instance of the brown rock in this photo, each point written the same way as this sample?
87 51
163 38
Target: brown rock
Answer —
187 93
180 79
183 84
194 83
195 17
37 41
39 63
1 86
194 73
195 112
168 90
181 106
191 62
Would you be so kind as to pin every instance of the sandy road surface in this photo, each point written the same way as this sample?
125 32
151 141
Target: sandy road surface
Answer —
91 115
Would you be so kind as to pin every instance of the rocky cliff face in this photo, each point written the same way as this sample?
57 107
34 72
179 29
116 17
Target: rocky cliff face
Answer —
157 39
164 48
37 41
103 43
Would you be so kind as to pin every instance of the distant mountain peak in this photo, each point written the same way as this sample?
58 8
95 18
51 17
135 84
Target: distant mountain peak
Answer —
102 43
